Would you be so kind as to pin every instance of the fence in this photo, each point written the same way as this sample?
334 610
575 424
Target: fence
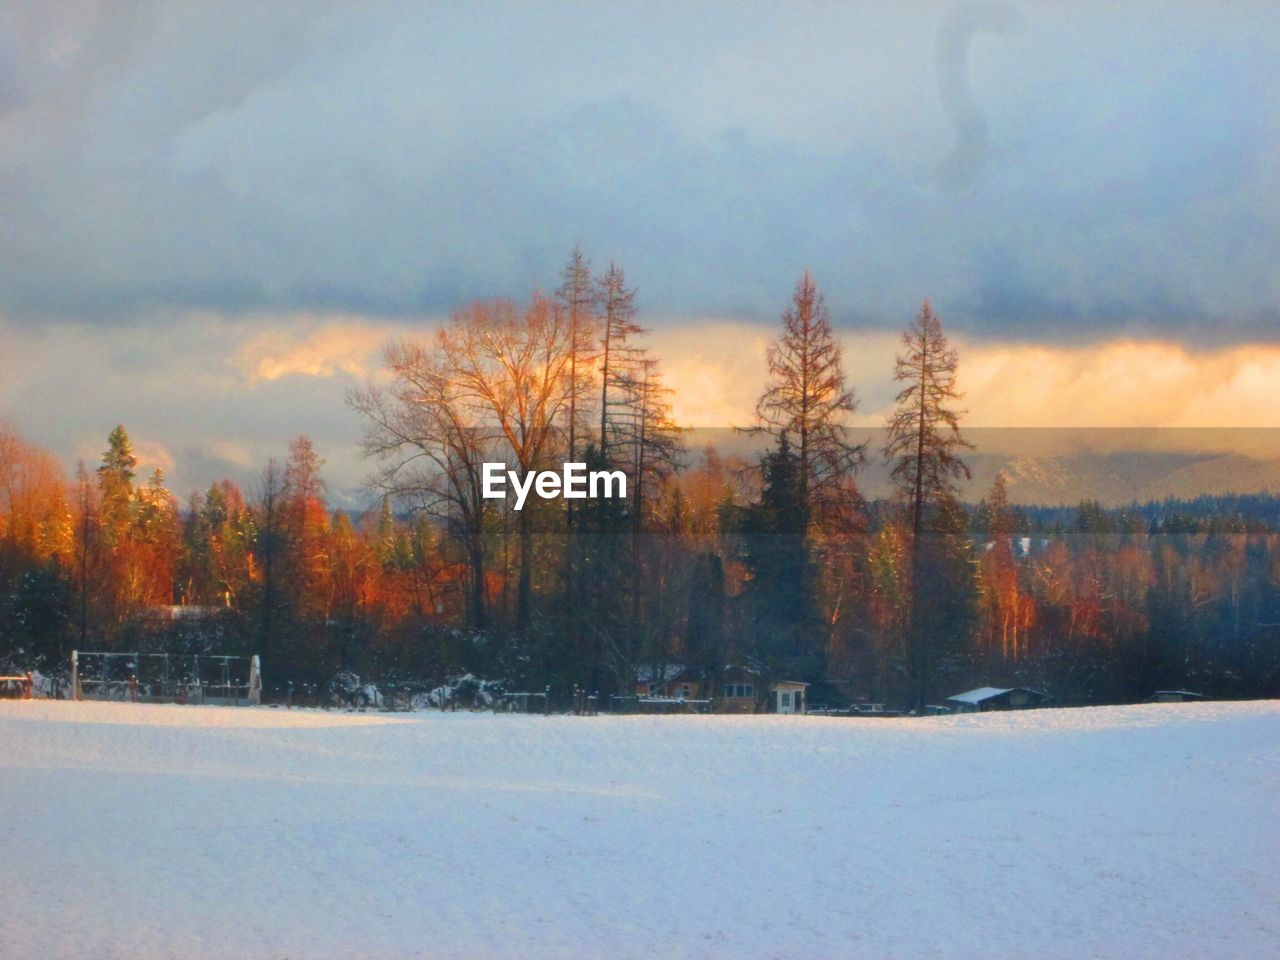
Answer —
166 678
16 687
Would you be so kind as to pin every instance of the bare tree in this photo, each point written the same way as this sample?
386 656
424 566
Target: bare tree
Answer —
579 298
617 354
432 445
513 368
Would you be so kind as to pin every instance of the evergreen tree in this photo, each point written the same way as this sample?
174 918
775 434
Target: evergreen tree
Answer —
115 486
781 618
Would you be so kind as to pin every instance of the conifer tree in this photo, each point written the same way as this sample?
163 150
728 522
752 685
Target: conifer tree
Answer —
617 354
922 450
115 486
807 399
579 297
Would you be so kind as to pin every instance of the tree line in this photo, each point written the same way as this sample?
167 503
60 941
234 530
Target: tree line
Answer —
773 560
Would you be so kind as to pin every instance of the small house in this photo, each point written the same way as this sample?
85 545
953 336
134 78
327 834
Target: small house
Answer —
789 696
672 681
996 698
742 690
737 691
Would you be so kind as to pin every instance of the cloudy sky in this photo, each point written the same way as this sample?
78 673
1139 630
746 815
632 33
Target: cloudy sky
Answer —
214 214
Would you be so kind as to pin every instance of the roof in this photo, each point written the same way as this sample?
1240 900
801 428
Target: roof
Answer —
986 693
980 694
790 683
668 673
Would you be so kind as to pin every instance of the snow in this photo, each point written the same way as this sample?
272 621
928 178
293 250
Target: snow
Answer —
138 831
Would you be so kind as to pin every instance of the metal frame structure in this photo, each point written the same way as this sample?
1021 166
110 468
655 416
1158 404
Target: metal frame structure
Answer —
166 677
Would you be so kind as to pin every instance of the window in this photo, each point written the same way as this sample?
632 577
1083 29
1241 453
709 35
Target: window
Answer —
739 690
786 699
684 691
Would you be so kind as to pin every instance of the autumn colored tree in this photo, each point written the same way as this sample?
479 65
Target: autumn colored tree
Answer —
1007 611
922 449
807 400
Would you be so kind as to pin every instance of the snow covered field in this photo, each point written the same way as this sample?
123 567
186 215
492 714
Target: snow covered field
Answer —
155 831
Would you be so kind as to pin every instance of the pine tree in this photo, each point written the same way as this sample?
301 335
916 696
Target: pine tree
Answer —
115 486
808 400
780 609
922 449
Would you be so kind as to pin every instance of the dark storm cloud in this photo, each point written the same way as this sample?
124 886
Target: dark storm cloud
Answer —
1104 169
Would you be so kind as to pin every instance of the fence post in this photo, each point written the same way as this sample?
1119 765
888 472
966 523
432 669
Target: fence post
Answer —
133 688
546 701
26 686
75 675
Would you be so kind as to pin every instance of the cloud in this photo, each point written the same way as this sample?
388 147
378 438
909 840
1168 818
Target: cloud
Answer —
968 155
717 369
217 396
325 349
1149 384
394 160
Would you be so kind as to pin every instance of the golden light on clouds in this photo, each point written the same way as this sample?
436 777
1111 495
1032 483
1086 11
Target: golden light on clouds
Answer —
323 348
1121 384
207 394
716 370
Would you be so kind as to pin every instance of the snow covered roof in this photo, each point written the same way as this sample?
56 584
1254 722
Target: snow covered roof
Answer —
980 694
986 693
668 673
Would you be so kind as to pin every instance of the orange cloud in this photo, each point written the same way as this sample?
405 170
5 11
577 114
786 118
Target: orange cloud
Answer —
310 348
1121 384
717 368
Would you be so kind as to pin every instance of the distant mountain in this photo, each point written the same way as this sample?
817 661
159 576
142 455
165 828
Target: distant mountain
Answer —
1051 467
1113 479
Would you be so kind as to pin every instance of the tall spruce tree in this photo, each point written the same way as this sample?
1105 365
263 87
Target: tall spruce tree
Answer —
115 487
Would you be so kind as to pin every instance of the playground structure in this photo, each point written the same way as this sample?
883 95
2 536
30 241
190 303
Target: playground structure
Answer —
213 679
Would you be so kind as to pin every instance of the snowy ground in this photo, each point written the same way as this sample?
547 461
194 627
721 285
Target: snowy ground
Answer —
154 831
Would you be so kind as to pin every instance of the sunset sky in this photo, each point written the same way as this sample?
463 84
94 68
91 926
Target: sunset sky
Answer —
214 217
